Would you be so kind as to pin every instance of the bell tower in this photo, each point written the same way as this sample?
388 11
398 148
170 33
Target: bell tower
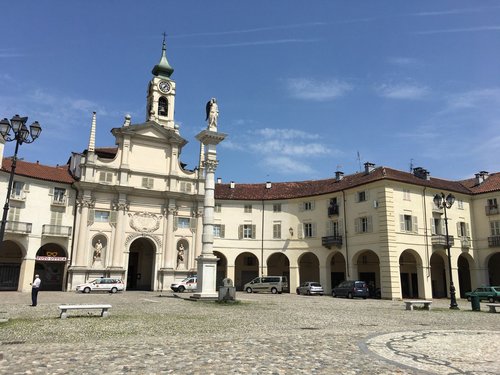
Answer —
161 93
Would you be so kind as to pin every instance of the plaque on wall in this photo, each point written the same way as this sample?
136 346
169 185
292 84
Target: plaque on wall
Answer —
144 222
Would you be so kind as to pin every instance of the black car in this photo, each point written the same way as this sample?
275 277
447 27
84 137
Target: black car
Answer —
351 289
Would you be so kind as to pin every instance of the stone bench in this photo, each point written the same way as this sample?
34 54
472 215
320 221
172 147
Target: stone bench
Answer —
64 309
493 306
425 304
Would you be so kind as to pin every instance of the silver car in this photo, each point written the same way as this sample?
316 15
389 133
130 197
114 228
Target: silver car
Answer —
103 284
310 287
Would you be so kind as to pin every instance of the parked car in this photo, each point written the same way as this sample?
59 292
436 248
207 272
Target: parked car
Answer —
351 289
491 293
273 284
102 284
189 283
310 287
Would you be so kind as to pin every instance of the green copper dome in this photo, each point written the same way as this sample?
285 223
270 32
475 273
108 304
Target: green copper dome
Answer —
163 68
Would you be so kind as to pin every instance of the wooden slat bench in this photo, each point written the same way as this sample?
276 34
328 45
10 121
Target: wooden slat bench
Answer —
64 309
426 304
493 306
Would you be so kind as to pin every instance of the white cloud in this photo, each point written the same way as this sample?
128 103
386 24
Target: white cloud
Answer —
287 165
459 30
304 88
402 91
474 99
286 133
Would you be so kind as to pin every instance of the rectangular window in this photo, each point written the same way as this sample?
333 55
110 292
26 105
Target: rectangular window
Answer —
219 230
495 228
14 214
361 196
101 216
17 190
186 187
437 226
308 206
406 194
460 204
218 207
247 231
59 196
277 207
183 222
248 208
408 223
363 224
463 229
333 228
277 230
492 203
56 218
148 182
309 230
106 177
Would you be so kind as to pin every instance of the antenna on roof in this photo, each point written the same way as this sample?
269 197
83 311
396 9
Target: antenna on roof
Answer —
411 165
359 161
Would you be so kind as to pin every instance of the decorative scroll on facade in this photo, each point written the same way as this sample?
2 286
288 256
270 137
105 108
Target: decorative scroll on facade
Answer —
144 222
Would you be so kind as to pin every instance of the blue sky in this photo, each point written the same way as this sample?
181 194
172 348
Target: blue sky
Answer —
304 88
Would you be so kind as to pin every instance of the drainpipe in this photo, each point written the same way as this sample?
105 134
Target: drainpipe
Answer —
426 233
345 237
262 243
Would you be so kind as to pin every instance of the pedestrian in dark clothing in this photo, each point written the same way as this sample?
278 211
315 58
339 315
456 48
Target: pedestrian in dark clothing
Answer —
35 287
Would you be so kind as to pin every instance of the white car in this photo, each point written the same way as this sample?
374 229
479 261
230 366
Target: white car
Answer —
104 284
189 284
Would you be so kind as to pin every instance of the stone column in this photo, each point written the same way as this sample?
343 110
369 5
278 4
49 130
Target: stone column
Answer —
170 256
85 204
207 262
117 260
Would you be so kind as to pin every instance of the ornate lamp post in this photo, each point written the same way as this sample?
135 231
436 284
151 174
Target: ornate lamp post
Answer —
20 134
445 203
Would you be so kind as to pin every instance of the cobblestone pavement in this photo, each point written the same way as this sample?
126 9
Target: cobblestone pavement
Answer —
158 333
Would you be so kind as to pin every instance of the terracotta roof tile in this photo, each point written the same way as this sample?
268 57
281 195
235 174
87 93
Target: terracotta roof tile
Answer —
39 171
491 183
289 190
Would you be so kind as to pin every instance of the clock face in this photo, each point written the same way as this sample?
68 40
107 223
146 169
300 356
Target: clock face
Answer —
164 86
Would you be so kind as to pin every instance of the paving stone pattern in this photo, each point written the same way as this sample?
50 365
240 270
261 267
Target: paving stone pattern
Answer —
159 333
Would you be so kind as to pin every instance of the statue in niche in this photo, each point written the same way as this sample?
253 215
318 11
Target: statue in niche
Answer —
212 110
97 250
180 255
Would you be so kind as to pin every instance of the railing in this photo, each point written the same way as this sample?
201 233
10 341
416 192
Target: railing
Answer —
18 227
329 241
56 230
59 201
333 210
18 196
494 241
440 240
491 210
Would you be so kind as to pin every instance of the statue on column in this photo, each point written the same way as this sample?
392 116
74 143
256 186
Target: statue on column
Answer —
180 256
212 110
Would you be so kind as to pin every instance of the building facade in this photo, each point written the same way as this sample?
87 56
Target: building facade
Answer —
133 211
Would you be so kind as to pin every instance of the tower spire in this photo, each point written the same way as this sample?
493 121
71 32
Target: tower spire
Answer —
163 68
91 147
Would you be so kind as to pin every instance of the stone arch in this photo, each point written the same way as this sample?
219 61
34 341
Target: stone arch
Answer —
50 264
493 263
337 269
246 268
11 260
99 250
367 265
438 274
162 106
141 264
465 263
411 274
308 267
221 268
278 264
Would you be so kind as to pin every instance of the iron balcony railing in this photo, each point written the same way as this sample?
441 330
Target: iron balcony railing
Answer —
330 241
333 210
56 230
491 210
18 227
440 240
59 201
494 241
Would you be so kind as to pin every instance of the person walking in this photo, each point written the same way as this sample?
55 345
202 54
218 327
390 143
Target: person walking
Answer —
35 287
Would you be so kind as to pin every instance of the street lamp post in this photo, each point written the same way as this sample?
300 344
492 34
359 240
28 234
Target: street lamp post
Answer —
20 134
446 202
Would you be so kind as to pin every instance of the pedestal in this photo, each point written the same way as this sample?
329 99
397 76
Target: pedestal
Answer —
207 274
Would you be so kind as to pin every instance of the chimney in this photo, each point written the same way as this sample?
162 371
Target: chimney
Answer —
219 180
369 167
481 177
421 173
268 185
231 185
339 175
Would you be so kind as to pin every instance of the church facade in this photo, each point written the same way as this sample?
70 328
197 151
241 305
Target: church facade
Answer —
134 212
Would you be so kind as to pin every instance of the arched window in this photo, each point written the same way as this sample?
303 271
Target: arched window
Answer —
163 106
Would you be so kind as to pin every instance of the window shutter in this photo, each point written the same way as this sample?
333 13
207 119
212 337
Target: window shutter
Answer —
459 230
443 228
51 191
240 232
467 229
112 217
254 230
192 224
300 231
415 224
313 227
433 226
176 223
222 231
356 197
301 206
329 228
402 223
367 195
369 224
357 225
313 205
